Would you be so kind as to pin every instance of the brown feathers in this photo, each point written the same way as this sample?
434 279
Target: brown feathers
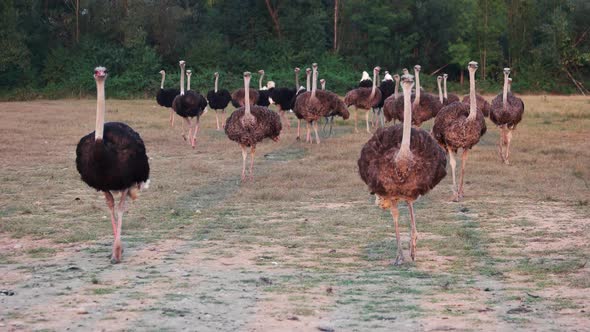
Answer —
452 129
427 109
361 98
509 116
266 124
237 97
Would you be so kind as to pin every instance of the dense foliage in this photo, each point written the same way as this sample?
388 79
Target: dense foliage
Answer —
48 48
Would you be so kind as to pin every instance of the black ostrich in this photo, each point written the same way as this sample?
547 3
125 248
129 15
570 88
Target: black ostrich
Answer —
284 98
188 105
165 97
387 88
112 159
218 100
263 92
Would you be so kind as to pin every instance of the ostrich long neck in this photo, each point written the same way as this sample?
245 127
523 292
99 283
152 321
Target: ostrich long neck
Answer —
323 85
247 95
417 99
260 81
440 95
396 91
216 79
505 92
445 87
188 82
407 129
296 80
163 78
308 85
181 81
472 97
100 109
314 83
374 87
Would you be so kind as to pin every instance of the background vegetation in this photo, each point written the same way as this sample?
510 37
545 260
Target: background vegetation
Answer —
48 48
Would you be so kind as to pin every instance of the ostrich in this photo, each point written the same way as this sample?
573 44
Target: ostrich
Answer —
315 104
402 163
387 88
364 98
365 81
249 125
449 97
284 98
263 92
218 100
112 159
425 106
506 113
165 97
188 105
460 125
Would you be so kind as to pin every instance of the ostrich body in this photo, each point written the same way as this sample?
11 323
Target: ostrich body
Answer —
263 92
285 97
112 159
482 104
425 106
249 125
315 104
506 113
218 100
238 97
165 97
448 98
364 99
188 105
402 163
460 125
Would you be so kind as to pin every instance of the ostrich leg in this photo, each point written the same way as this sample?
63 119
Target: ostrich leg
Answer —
463 162
244 156
194 138
111 204
381 117
223 118
414 235
217 119
117 246
308 135
315 128
171 118
453 163
187 122
501 143
356 115
399 259
298 129
252 152
508 139
367 120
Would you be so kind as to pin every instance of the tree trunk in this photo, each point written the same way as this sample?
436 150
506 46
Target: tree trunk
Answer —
275 18
336 26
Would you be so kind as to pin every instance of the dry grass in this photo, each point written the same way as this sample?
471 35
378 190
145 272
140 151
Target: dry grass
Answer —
513 254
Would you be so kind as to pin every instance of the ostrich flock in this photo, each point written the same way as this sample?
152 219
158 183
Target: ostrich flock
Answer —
400 162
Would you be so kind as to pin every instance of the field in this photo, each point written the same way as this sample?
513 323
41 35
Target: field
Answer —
303 247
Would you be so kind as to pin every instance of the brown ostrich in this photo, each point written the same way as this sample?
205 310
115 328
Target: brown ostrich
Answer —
506 113
460 125
251 124
402 163
425 106
449 97
364 99
238 97
315 104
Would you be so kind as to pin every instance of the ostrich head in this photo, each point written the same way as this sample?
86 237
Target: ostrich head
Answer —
297 69
314 66
405 71
445 76
261 72
439 79
322 81
181 63
472 66
100 73
417 68
396 77
189 72
376 70
506 71
407 82
162 72
216 74
307 71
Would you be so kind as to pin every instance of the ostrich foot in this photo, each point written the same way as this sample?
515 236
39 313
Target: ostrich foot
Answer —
117 252
183 137
456 197
399 260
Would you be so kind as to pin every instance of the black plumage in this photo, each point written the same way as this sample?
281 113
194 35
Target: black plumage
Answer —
263 96
284 98
189 105
218 100
165 97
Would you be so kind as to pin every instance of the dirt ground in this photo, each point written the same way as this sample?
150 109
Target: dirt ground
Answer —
303 247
